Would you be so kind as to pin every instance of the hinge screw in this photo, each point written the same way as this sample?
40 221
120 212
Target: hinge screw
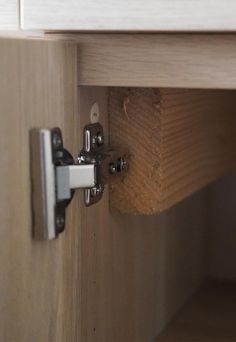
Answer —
119 166
99 139
96 191
112 168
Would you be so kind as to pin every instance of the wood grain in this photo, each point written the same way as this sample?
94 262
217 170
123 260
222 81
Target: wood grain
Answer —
157 60
179 141
136 271
107 277
37 89
9 15
209 316
132 15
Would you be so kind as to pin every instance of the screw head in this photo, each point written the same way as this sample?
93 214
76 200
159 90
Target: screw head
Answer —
95 191
112 168
99 139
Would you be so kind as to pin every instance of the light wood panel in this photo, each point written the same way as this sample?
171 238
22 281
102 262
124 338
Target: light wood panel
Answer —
136 271
179 141
107 277
38 293
187 61
209 316
9 15
132 15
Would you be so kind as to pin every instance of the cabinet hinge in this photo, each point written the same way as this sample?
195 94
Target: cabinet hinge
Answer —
56 175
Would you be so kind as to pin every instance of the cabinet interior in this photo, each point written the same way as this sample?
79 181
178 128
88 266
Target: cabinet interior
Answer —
112 276
195 272
209 313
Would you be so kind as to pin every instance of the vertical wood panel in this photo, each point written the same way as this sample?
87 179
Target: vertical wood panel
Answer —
37 89
222 222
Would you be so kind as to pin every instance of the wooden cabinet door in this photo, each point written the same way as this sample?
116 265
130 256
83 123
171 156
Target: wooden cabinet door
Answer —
37 295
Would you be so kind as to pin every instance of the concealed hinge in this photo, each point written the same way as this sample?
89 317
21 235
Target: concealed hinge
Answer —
56 175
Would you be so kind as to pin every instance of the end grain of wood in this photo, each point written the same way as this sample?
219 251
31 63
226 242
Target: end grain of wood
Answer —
179 141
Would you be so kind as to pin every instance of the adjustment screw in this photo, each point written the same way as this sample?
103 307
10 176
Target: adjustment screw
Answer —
99 139
112 168
95 191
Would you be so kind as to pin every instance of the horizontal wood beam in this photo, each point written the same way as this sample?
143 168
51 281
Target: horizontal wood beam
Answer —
157 60
179 141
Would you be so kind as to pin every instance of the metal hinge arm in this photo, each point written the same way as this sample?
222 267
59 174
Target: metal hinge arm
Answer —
74 177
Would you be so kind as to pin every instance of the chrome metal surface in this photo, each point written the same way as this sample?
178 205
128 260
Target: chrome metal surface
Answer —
55 175
43 184
87 141
74 177
47 152
93 144
93 195
93 137
109 163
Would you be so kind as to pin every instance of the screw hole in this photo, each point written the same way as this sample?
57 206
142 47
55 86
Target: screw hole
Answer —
94 113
